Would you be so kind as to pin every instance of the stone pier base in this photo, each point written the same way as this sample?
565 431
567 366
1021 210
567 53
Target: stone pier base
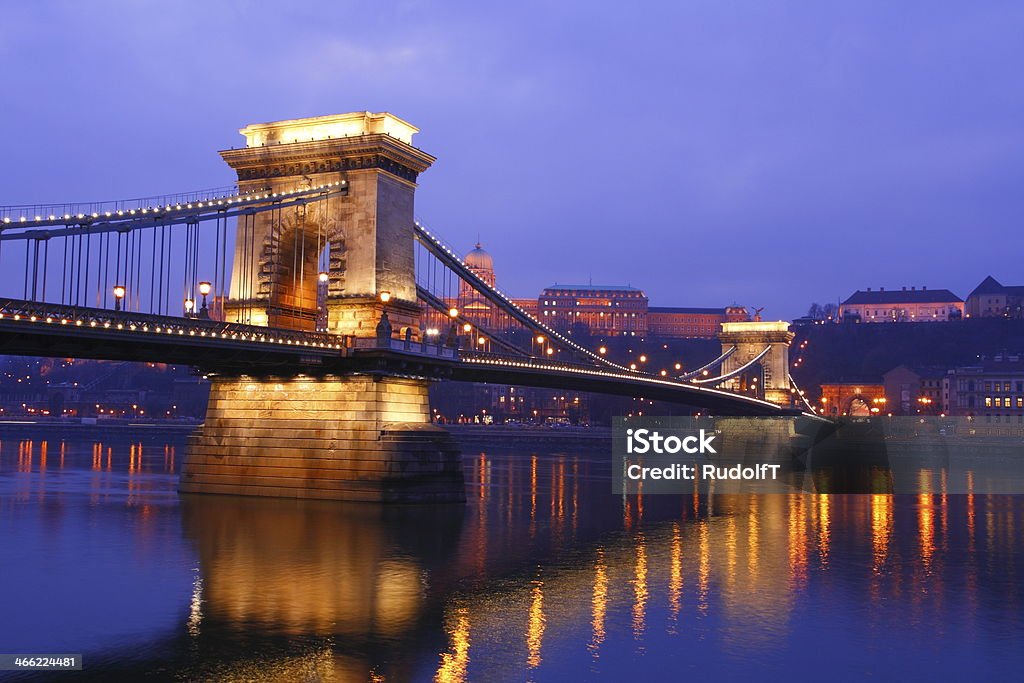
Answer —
361 438
761 439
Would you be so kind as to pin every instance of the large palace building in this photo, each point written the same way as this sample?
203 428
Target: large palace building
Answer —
902 306
600 310
610 310
676 322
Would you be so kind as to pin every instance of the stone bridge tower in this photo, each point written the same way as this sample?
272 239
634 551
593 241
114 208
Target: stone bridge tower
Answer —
368 233
361 436
750 339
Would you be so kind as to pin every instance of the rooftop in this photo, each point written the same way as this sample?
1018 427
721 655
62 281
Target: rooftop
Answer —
686 309
325 127
992 286
592 288
902 296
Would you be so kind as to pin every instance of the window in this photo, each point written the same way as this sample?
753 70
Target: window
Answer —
988 401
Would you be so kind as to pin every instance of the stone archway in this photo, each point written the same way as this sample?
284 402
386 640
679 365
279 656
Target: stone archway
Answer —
858 406
292 257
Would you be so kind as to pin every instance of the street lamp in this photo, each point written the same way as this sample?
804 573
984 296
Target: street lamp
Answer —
119 292
204 289
189 305
384 326
324 277
453 331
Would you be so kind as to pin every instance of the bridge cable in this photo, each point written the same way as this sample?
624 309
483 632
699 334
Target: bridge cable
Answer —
714 363
722 378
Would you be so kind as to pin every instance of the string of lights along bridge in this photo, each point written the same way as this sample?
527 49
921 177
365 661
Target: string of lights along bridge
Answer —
315 259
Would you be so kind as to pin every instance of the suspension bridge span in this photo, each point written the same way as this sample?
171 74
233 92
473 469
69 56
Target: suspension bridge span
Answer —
320 310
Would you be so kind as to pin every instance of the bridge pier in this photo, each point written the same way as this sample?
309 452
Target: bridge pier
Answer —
356 438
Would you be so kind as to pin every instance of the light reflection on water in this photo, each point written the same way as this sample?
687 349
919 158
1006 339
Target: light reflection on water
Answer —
543 575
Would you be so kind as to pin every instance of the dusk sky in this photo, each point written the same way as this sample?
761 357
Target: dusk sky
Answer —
710 152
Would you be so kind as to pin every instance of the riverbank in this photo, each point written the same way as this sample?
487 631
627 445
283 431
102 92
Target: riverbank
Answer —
96 428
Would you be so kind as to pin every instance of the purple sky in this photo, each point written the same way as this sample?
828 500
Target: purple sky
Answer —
765 153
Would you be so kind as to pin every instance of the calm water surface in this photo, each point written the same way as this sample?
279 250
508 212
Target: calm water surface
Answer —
543 575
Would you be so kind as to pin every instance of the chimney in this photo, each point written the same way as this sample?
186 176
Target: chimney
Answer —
881 289
913 288
869 289
904 288
923 288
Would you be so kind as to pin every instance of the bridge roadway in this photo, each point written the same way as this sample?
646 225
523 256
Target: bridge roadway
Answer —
38 329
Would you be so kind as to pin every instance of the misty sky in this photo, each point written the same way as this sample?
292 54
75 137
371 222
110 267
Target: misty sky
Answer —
710 152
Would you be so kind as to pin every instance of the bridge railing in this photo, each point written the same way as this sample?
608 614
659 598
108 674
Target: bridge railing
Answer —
18 310
545 364
404 345
32 211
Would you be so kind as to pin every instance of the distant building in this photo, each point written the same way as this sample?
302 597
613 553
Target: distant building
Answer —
913 391
683 322
609 310
860 399
471 304
991 299
528 305
902 306
992 390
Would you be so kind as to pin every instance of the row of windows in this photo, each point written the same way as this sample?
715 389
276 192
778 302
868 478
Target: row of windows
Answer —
572 304
663 329
1004 418
1004 385
601 314
1003 402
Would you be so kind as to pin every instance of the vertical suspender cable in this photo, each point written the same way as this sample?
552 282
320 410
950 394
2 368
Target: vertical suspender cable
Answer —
85 279
152 270
46 260
25 293
64 273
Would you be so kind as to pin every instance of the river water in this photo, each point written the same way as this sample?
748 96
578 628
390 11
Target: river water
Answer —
543 575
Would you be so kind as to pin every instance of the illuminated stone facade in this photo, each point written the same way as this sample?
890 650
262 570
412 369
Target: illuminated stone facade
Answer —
609 310
860 399
366 234
359 437
902 306
340 438
772 371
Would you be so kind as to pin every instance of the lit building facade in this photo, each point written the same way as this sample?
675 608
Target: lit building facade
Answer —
858 399
991 299
688 323
992 390
472 305
608 310
902 306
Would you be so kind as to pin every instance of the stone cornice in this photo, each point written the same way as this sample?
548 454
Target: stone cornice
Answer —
332 155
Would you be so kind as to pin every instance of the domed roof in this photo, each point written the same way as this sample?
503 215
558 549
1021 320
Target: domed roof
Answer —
479 259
